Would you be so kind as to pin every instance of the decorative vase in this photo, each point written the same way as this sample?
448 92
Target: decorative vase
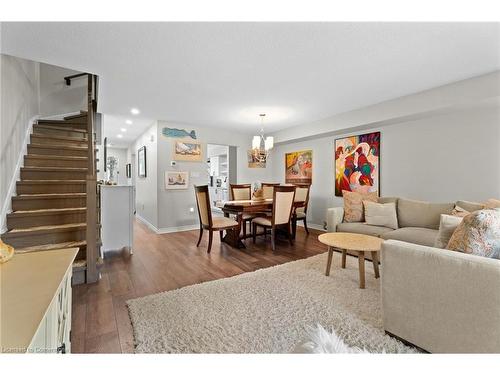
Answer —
6 252
258 195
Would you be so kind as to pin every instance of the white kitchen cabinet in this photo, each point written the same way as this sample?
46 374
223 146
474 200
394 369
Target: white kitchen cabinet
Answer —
36 302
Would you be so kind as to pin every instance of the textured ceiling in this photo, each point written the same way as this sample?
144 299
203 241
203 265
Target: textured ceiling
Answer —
225 74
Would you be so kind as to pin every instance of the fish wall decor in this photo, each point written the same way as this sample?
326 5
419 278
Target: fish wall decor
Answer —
178 133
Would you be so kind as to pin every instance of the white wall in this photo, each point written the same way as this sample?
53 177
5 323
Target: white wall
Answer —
19 105
146 187
55 96
174 205
440 158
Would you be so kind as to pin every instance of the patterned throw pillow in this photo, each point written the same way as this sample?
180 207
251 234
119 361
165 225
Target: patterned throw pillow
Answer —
459 211
492 203
353 205
478 234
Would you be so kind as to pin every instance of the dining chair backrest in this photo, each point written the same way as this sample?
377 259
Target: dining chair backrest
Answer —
203 203
241 192
302 195
283 197
268 188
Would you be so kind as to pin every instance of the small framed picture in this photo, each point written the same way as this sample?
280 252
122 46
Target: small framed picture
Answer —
128 170
141 162
176 180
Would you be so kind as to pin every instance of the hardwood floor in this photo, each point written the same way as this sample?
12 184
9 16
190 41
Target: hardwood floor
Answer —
165 262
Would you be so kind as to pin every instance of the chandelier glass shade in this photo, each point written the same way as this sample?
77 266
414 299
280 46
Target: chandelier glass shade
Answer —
262 145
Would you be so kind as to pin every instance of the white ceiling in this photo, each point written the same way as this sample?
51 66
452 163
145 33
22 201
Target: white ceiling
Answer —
225 74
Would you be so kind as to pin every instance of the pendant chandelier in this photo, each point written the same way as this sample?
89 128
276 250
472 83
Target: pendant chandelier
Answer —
261 146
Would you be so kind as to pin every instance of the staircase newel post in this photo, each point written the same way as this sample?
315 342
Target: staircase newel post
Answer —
91 188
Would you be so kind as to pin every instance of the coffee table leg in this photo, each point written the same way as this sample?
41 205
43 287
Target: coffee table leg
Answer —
344 255
329 262
375 264
361 259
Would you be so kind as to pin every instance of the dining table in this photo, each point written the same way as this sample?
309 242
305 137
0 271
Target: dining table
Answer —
237 208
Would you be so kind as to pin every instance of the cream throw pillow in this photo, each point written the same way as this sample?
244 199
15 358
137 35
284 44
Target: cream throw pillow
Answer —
353 205
492 203
447 225
381 214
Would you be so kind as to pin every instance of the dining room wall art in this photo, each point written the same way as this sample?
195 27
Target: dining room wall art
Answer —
357 164
175 180
187 150
298 167
141 162
178 133
256 159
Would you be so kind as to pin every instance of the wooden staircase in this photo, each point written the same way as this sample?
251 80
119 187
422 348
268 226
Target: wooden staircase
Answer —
56 205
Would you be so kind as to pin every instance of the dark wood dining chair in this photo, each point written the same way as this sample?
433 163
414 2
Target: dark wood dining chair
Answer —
241 192
300 213
283 199
207 222
268 188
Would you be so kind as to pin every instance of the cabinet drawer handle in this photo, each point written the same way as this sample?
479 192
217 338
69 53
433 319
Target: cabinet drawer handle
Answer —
62 349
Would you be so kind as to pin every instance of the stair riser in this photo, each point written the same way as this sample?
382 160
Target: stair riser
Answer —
40 150
32 239
52 175
55 218
74 124
61 132
27 188
29 162
54 141
38 204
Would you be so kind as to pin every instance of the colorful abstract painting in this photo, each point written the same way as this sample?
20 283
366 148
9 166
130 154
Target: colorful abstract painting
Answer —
298 167
357 164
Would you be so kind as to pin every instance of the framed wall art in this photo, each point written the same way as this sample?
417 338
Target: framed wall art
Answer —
357 164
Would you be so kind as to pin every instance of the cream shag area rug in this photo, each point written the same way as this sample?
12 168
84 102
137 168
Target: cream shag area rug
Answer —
266 311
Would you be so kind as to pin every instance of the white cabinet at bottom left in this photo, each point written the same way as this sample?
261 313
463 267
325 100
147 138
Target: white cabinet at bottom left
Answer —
36 302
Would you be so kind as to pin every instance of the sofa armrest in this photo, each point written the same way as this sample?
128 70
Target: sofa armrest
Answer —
441 300
334 217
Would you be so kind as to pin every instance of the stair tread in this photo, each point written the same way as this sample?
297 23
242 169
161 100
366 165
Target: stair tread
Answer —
56 157
41 182
52 246
64 169
58 137
82 114
62 122
63 147
46 210
61 128
48 195
46 228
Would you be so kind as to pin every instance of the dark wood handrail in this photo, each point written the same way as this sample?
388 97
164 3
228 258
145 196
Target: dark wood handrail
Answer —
91 188
69 78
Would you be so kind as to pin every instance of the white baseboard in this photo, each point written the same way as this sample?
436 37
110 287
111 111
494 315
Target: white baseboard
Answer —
182 228
312 226
7 204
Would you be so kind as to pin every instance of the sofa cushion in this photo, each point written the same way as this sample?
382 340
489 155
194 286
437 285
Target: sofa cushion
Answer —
469 206
353 205
381 214
419 236
447 226
492 203
478 234
388 200
421 214
363 228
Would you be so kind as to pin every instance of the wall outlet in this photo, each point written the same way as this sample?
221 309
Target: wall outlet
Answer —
191 209
173 163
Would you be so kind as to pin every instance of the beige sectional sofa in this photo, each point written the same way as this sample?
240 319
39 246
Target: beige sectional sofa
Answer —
439 300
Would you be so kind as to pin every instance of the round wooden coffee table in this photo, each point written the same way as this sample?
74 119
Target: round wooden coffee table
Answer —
359 243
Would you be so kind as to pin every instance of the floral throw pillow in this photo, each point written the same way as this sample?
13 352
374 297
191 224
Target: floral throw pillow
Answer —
478 234
353 205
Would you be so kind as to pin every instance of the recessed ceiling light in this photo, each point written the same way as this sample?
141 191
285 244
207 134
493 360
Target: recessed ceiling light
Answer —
135 111
120 136
128 122
123 129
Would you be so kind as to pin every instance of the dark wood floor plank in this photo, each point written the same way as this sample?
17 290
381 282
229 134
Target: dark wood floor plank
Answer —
101 323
